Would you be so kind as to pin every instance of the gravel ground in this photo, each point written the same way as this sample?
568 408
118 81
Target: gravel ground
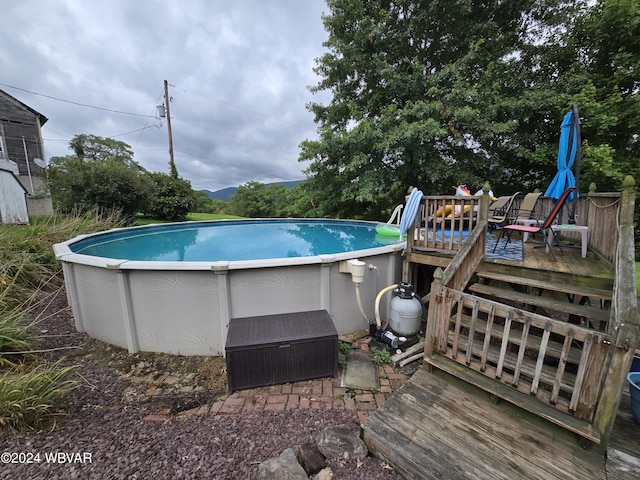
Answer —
100 434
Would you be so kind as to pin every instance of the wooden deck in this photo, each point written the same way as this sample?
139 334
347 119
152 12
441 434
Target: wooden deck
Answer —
570 262
591 271
437 426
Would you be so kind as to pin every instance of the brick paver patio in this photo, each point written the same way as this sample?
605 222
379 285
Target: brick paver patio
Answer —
321 393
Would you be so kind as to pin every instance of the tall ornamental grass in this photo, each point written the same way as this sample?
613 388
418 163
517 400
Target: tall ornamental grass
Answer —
31 389
29 398
15 338
27 260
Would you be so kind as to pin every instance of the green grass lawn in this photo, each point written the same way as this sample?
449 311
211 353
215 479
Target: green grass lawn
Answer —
198 217
192 217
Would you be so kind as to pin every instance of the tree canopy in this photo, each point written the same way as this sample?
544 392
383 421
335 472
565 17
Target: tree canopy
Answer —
435 93
102 173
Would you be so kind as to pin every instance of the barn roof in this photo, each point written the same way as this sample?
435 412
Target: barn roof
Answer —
40 116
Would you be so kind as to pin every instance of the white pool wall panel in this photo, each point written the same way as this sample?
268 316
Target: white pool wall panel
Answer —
185 307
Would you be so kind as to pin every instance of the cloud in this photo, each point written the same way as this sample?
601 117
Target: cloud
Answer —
239 74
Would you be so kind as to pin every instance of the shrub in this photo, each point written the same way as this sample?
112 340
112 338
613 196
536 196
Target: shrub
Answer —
172 198
85 185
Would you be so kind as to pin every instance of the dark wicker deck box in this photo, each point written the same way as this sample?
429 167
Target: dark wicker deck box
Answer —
272 349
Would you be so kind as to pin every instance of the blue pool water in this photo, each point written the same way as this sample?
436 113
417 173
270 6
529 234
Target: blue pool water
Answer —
234 240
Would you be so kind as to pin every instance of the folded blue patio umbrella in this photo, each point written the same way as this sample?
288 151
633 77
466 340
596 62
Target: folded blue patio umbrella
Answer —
567 154
410 211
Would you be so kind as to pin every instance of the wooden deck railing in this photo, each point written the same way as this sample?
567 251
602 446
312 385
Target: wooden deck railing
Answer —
444 222
624 326
598 211
453 224
464 264
558 365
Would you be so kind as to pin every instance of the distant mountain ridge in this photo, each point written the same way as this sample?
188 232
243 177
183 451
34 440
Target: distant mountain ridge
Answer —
225 193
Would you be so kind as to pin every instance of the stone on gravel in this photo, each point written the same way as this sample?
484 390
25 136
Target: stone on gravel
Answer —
310 458
284 467
340 442
324 474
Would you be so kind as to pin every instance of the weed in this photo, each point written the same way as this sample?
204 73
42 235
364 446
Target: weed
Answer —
380 356
343 350
27 259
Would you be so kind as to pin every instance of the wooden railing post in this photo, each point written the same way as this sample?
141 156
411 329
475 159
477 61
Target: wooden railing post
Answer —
432 316
483 208
626 318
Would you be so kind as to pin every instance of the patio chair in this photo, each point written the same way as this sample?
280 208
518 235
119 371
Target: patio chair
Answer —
501 211
544 228
525 212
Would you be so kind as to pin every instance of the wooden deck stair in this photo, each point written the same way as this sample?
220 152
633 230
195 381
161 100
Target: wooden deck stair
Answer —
436 426
564 294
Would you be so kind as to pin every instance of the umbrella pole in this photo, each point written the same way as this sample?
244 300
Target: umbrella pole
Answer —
575 137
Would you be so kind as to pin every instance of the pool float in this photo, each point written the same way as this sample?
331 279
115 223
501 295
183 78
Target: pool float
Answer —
449 211
388 230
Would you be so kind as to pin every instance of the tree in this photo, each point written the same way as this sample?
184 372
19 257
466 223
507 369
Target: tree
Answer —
607 54
94 147
102 174
202 203
434 93
411 82
256 200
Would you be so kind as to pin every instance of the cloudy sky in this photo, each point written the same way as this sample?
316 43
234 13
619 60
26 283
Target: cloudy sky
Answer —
238 74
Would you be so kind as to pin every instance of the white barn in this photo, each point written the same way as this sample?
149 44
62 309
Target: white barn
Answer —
13 199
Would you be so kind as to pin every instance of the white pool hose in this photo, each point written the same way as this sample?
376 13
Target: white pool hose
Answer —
359 299
378 298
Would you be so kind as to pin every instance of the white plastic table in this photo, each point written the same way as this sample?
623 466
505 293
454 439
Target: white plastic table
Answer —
583 230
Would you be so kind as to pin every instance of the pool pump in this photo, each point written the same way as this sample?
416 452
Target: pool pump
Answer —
405 318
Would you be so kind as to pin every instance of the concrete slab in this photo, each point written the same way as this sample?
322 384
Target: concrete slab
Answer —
361 373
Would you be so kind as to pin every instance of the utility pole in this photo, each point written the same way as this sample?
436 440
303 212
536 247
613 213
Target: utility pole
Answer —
167 100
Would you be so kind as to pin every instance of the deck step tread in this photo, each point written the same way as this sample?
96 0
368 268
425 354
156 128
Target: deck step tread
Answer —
543 302
602 294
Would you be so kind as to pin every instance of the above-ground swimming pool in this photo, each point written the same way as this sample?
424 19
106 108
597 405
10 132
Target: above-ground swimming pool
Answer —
174 288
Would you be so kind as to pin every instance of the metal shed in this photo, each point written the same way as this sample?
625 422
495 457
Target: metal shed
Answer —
13 199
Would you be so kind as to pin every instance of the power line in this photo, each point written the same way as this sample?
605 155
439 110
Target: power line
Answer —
133 131
155 106
77 103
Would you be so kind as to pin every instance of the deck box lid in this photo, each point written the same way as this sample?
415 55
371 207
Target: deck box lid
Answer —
281 328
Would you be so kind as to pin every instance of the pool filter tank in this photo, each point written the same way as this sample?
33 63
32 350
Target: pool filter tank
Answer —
405 315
